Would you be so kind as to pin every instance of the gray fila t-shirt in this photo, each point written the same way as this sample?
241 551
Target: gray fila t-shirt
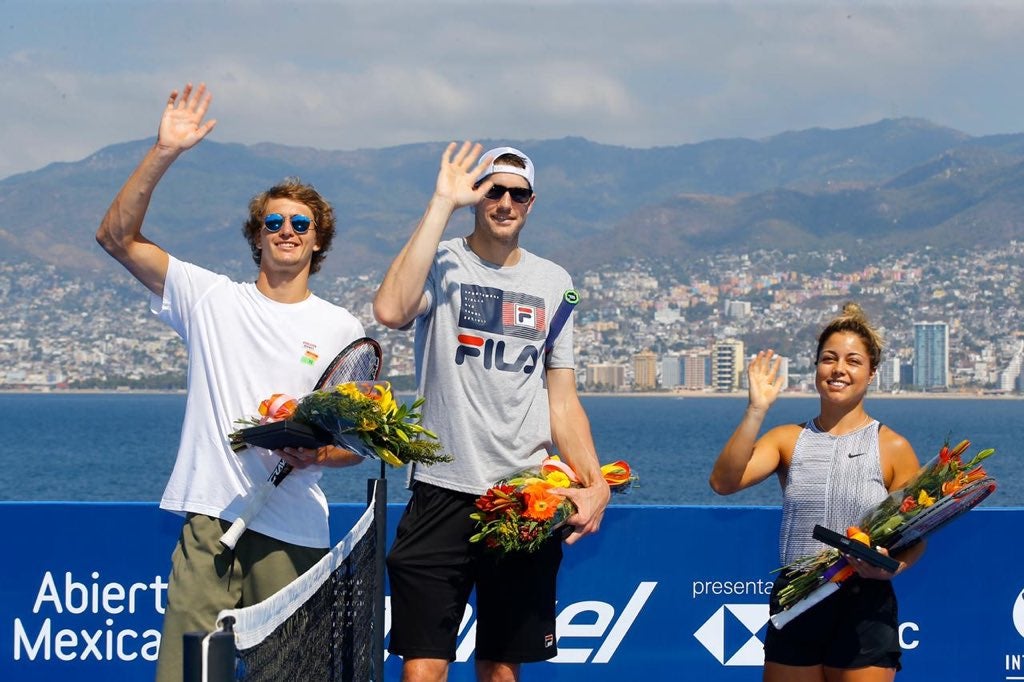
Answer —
480 363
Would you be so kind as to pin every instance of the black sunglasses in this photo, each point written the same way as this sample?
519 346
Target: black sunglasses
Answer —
520 195
275 221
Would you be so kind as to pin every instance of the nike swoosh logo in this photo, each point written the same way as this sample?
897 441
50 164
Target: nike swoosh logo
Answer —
851 455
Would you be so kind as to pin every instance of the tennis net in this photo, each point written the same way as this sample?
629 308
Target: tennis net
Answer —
327 625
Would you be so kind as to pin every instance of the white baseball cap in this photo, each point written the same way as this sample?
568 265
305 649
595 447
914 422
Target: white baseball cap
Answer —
505 168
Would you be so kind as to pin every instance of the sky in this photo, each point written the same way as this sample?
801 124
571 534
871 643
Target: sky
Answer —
78 75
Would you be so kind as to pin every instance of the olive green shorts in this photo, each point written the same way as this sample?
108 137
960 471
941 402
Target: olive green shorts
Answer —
206 578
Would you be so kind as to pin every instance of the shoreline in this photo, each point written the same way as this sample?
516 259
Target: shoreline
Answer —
910 395
677 395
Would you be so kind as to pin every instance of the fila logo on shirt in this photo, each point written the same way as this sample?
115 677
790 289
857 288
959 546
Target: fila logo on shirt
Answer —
505 313
493 354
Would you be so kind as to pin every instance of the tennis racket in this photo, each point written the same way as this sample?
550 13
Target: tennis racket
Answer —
924 523
358 361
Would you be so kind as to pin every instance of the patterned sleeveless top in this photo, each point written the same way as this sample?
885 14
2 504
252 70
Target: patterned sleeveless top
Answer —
832 481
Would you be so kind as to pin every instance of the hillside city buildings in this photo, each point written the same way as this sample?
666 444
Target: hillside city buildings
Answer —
952 322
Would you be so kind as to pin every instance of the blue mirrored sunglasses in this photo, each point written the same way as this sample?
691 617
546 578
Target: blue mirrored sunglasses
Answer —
300 223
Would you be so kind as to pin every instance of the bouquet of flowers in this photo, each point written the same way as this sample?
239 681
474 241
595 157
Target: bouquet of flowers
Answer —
362 416
894 523
520 512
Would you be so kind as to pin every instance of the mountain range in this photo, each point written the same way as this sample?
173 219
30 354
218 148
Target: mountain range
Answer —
895 185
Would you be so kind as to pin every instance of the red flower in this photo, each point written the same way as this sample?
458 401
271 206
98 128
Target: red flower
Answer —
498 498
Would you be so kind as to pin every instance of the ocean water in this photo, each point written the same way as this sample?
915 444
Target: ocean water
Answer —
120 447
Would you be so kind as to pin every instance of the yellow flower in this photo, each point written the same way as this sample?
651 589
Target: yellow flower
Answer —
524 480
351 390
557 479
389 457
924 499
387 401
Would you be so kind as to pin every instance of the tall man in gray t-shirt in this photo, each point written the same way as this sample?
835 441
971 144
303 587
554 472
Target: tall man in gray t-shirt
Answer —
499 403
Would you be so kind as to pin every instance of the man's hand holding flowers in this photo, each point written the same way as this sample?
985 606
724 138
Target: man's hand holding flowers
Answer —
326 456
590 502
520 512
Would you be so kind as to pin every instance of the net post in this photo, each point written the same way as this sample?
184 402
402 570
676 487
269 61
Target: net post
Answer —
377 494
209 657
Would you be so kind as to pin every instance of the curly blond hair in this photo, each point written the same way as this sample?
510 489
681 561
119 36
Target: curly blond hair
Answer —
853 319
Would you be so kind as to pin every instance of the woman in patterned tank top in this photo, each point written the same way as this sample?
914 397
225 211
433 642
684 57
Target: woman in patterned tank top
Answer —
853 635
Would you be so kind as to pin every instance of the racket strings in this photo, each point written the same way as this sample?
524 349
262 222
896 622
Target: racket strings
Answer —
360 361
363 366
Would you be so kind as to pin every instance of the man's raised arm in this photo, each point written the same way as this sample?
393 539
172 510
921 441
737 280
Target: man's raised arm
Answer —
400 296
120 231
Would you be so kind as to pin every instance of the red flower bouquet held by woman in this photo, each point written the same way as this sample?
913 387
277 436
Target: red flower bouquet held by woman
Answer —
519 513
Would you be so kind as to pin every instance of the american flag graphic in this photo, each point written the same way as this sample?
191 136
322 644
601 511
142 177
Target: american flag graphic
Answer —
508 313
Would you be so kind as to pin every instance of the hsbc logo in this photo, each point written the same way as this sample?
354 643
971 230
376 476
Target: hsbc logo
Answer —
493 354
730 634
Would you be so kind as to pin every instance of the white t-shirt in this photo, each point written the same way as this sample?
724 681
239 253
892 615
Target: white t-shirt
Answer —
242 348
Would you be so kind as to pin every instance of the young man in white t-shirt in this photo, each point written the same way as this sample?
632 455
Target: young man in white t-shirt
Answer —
245 342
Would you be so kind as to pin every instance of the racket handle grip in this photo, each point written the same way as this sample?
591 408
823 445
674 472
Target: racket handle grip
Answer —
230 538
780 619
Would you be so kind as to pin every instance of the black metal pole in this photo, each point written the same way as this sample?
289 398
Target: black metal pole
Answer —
377 493
220 655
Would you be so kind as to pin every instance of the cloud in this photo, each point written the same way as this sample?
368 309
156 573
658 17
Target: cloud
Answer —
343 75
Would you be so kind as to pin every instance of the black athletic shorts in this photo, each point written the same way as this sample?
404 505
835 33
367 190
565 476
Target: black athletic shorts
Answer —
432 567
856 627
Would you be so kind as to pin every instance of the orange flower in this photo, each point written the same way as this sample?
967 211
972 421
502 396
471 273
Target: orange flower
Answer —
974 474
541 504
277 407
844 573
855 533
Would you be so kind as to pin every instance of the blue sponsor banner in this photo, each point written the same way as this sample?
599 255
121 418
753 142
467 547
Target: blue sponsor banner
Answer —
659 591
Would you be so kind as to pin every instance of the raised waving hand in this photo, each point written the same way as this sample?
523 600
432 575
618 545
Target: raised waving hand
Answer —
456 180
182 125
763 374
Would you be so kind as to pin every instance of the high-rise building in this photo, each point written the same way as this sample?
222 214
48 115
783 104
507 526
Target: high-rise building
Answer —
696 369
1010 377
726 364
737 309
888 376
645 371
672 370
605 377
931 355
